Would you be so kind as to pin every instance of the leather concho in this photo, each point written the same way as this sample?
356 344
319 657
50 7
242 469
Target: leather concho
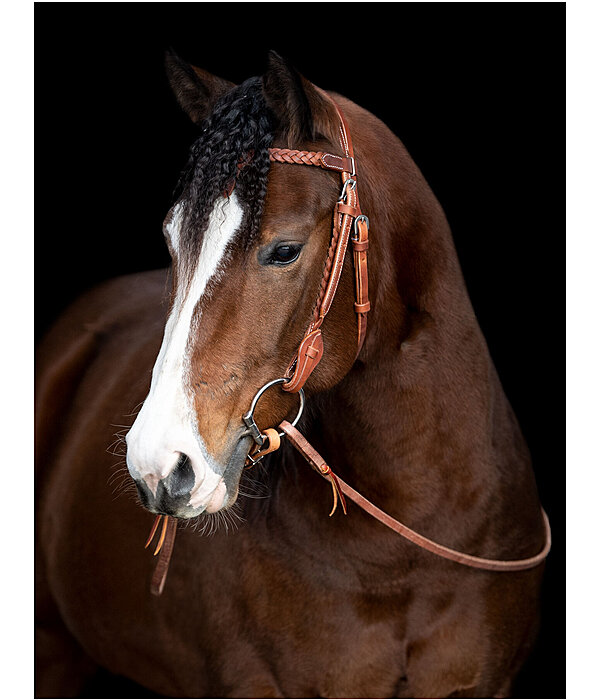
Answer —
308 356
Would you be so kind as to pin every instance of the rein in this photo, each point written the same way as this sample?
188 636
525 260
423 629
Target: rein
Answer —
349 224
319 465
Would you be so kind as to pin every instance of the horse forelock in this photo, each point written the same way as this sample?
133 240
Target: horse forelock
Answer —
237 133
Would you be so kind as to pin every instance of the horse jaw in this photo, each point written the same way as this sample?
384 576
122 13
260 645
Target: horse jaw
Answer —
166 426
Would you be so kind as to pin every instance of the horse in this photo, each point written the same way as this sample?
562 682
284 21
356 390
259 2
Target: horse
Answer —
266 595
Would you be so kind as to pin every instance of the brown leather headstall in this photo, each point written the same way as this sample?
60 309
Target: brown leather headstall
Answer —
349 224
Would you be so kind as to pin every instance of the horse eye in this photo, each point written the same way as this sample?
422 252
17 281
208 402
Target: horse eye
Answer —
285 254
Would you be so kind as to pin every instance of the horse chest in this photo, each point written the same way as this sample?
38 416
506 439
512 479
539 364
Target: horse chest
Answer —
314 640
317 645
236 622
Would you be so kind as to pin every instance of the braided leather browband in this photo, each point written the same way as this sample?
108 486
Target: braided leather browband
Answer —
347 215
318 158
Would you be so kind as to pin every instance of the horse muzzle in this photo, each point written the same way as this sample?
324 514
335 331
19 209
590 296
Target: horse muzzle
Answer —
185 486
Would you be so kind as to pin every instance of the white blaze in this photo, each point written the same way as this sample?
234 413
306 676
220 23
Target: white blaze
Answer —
166 424
174 226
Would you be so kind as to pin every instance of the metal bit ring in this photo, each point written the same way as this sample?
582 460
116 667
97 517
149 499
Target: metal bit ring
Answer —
248 417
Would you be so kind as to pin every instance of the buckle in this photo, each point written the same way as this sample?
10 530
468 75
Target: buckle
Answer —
362 217
351 183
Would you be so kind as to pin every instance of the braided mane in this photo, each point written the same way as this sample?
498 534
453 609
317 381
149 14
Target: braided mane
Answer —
239 130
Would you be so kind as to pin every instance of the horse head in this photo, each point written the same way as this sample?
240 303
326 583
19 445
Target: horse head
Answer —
248 240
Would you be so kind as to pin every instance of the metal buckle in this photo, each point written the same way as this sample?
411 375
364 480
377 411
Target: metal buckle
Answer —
360 217
248 417
347 183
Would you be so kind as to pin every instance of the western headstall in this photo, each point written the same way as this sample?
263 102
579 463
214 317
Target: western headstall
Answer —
349 224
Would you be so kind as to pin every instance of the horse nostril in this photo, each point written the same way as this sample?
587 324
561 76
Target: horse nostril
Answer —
183 458
181 480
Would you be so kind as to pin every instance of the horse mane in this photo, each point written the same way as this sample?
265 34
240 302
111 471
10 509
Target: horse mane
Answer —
239 130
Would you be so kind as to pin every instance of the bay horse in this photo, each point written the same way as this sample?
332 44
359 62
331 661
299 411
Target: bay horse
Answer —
282 600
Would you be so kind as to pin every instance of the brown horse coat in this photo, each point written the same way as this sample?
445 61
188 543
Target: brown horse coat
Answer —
293 603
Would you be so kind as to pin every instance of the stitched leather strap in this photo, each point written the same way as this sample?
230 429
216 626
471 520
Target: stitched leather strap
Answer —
320 466
360 245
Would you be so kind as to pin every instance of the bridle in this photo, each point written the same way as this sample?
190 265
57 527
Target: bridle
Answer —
347 219
349 225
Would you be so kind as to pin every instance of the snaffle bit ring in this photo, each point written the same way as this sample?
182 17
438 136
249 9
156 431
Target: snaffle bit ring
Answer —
248 417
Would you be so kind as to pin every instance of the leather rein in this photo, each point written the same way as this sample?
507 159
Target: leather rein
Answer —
349 225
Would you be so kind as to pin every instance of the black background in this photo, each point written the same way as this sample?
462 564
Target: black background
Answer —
475 92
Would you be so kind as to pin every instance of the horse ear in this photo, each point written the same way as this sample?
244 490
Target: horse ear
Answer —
303 112
196 90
